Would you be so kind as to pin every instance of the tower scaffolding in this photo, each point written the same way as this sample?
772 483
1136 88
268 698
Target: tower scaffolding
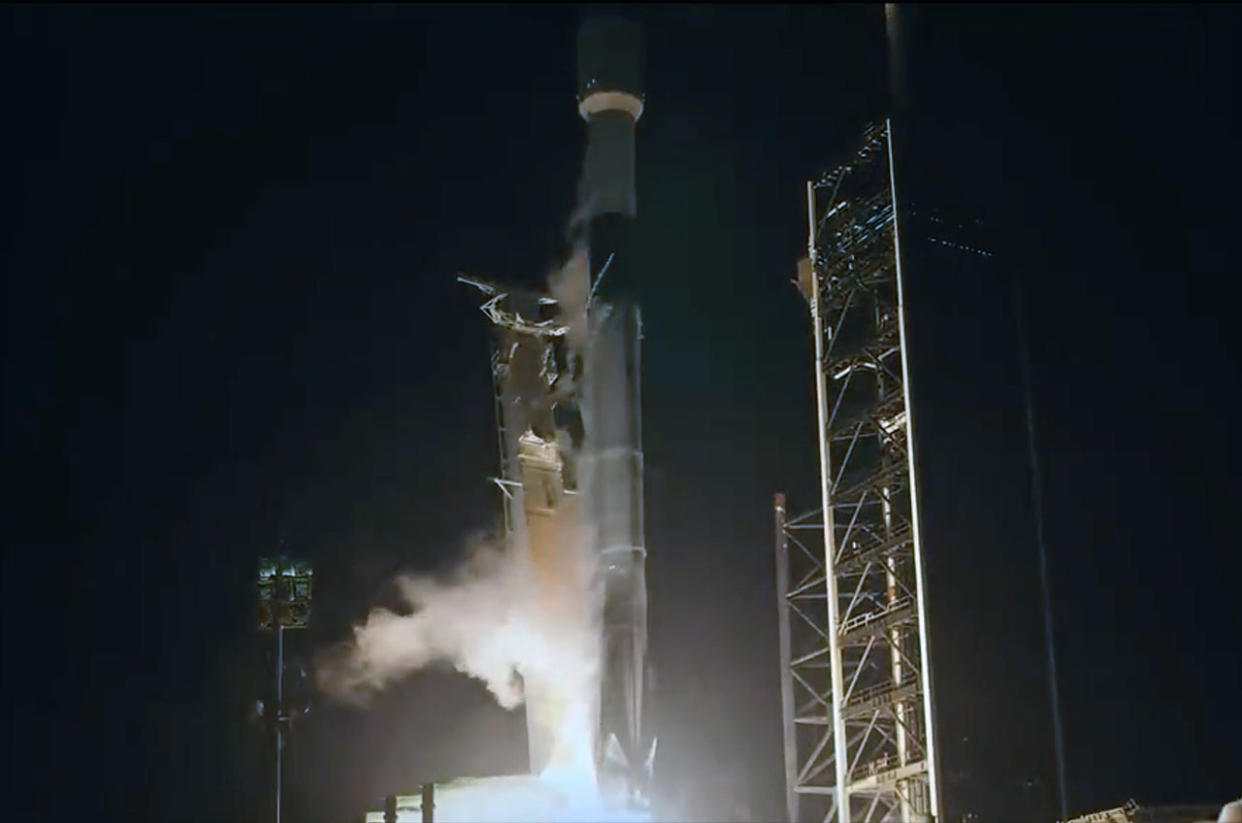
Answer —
855 664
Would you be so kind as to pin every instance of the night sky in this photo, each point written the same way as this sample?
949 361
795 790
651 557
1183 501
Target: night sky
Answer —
231 320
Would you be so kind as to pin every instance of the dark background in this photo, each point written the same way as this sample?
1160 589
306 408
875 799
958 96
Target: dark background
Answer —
230 320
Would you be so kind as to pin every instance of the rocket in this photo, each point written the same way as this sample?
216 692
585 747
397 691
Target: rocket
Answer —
567 381
610 100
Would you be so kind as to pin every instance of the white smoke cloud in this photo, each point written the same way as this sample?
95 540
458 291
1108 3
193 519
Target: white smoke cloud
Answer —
529 628
495 621
489 619
476 621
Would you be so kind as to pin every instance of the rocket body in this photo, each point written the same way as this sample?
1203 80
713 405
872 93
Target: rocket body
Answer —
611 101
613 476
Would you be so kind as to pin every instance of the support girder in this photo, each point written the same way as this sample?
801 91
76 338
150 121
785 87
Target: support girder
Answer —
862 744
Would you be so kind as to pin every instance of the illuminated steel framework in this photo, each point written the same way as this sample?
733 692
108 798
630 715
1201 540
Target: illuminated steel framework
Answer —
284 600
855 673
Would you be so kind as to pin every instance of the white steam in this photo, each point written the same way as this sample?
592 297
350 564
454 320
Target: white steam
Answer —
477 621
570 285
522 616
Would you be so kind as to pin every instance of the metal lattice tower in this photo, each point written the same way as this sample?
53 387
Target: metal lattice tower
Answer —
855 667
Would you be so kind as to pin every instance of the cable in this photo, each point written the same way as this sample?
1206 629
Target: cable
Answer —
1037 503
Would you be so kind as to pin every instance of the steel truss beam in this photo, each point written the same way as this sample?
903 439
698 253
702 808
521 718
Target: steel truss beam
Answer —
856 679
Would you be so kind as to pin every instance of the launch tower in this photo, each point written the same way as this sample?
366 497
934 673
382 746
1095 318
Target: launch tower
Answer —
855 662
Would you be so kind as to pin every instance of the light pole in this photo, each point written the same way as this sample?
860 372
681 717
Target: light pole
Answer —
284 595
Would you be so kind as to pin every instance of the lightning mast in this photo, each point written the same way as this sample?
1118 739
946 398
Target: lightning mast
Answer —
855 662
